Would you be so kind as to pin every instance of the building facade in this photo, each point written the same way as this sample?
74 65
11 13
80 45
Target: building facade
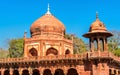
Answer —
48 52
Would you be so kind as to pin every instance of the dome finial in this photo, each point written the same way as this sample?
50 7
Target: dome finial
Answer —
48 9
96 15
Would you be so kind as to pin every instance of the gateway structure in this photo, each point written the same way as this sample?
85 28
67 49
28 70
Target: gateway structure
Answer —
47 52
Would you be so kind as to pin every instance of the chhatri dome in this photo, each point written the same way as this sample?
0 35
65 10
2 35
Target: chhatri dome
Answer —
47 24
96 28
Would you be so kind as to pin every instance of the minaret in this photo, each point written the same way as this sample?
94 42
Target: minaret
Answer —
99 34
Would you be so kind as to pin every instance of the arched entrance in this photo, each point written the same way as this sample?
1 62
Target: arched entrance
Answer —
36 72
6 72
15 72
52 51
67 51
47 72
33 52
25 72
72 71
59 72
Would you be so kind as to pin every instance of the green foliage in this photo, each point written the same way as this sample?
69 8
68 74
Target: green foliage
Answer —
3 53
114 43
16 48
117 52
78 44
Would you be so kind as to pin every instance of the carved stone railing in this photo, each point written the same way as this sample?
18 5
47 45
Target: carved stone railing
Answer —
42 58
88 55
99 54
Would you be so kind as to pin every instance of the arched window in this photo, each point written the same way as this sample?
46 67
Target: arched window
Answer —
25 72
35 72
15 72
47 72
59 72
67 51
6 72
52 51
33 52
72 71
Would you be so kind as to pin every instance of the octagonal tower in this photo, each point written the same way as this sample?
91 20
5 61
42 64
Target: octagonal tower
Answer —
47 38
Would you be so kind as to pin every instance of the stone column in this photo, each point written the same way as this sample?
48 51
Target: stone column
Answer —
20 71
92 44
30 70
117 72
11 71
65 72
104 44
98 43
41 73
2 71
112 70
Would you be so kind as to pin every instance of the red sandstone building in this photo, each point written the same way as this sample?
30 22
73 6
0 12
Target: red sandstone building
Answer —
47 52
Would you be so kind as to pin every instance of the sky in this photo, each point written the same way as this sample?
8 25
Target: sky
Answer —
16 16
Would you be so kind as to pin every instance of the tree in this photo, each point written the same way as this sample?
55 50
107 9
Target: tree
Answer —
78 44
117 52
114 43
16 48
3 53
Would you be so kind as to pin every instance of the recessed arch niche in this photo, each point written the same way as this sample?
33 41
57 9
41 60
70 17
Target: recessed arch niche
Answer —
33 52
51 51
67 51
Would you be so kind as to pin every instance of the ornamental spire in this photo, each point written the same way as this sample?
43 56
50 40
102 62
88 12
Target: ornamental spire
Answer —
48 9
96 15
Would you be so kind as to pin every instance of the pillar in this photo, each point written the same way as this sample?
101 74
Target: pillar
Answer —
117 72
11 71
2 71
65 72
30 70
104 44
98 43
92 44
41 73
112 70
20 71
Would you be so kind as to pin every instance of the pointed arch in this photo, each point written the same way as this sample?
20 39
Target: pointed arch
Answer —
59 72
52 51
47 72
36 72
25 72
72 71
33 52
6 72
15 72
67 51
